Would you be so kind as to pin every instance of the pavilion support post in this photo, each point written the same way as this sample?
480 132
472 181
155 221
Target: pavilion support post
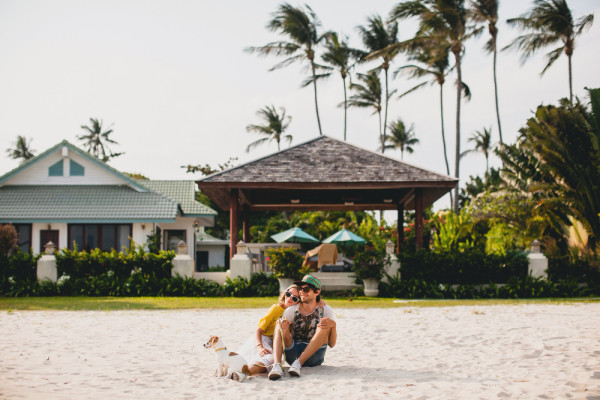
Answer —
400 225
419 218
246 225
233 222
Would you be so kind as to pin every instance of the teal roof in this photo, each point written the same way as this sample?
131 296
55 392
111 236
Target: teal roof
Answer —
83 203
203 237
184 193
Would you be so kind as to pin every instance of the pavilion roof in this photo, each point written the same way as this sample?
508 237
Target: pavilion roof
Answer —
327 173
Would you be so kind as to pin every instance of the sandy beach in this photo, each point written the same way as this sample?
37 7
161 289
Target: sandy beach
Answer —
535 351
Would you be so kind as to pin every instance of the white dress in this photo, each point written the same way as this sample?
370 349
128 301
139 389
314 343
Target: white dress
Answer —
249 351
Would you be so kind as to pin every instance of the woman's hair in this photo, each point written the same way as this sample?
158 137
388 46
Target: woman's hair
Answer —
282 295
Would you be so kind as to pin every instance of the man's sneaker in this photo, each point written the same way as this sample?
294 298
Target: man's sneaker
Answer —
276 372
295 369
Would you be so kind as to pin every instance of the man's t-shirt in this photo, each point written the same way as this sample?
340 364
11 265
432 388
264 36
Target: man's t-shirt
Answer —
305 326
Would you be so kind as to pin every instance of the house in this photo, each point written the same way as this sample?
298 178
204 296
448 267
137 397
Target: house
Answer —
69 197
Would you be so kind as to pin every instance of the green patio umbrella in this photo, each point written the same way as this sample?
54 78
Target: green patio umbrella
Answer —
295 235
345 237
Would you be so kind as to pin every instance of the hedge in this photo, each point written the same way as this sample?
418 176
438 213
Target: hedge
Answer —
424 275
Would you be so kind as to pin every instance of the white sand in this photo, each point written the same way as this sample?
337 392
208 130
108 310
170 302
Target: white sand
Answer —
488 352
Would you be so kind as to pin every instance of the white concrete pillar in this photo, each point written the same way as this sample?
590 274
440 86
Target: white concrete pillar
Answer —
46 265
394 267
241 263
538 263
183 263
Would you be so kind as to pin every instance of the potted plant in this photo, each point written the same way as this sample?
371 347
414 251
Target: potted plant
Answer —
286 264
369 266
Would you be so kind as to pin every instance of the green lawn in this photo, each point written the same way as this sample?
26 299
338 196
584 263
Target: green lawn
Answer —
179 303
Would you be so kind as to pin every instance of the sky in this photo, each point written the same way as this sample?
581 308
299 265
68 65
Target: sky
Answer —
173 81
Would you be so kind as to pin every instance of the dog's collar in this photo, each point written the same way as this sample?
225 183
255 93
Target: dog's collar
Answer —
220 348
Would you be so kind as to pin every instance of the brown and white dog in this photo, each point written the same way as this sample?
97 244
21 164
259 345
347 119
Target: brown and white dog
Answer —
231 364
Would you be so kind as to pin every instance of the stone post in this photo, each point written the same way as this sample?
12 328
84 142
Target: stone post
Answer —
183 263
538 263
241 263
394 267
46 265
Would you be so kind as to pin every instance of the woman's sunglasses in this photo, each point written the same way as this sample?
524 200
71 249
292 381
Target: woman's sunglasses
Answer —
295 299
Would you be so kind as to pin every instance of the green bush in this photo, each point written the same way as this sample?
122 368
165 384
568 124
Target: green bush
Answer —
285 262
259 285
472 266
370 264
95 263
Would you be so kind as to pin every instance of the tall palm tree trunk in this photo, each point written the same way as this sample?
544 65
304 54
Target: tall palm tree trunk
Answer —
345 108
570 81
444 135
457 152
496 94
380 134
314 76
387 99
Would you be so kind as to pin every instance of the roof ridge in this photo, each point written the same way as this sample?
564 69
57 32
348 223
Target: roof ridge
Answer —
262 158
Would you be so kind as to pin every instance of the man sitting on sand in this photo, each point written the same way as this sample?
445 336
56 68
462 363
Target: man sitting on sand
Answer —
307 330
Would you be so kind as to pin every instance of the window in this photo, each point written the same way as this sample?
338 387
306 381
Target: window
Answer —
56 169
103 236
173 237
24 233
201 261
75 169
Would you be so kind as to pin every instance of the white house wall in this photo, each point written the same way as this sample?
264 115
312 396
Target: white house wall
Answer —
140 234
37 173
35 235
182 223
216 254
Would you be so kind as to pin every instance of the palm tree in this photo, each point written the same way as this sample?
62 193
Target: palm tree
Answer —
483 144
442 24
434 63
549 22
377 38
556 161
22 149
301 29
486 12
339 56
97 141
274 127
401 138
368 95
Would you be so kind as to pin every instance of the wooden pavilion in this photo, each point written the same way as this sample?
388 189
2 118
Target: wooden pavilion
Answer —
324 174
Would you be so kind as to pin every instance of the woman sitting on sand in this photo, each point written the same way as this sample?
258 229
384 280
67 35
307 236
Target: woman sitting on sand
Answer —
258 350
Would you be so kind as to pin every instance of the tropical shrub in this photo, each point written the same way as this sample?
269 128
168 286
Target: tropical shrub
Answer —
472 266
285 262
83 264
370 264
259 285
8 239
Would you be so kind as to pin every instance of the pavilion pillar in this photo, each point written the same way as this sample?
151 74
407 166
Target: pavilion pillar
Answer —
233 222
246 225
400 225
419 217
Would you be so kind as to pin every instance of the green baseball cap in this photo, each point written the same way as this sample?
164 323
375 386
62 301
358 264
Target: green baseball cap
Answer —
311 280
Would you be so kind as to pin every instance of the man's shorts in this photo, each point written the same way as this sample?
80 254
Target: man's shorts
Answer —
294 351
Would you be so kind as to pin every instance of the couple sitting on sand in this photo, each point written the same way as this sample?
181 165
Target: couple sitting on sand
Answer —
305 329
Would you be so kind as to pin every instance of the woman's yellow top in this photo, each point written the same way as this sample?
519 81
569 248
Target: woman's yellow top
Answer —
267 323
